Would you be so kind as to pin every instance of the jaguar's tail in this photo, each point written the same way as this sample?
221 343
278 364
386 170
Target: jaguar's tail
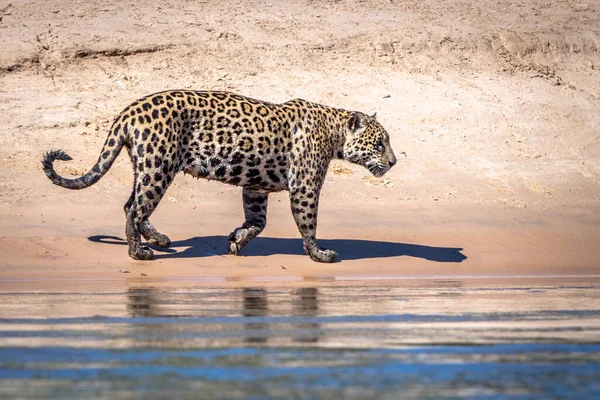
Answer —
111 149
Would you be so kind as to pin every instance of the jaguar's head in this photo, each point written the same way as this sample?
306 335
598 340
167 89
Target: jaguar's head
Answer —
368 144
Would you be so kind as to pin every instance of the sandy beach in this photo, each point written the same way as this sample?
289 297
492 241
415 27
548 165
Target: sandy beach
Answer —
495 121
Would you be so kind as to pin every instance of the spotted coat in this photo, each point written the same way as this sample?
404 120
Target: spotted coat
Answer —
260 146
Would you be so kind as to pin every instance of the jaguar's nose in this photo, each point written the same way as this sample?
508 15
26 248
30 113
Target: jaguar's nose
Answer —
393 162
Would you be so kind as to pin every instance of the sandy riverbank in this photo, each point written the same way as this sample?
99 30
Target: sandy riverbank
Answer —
494 103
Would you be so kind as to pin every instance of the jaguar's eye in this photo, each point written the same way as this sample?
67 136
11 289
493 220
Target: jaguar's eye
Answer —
380 147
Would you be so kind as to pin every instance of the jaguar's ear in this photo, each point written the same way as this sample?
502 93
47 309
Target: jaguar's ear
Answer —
374 116
357 123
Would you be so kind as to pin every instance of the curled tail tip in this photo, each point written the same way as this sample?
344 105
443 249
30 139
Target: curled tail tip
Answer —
48 160
56 155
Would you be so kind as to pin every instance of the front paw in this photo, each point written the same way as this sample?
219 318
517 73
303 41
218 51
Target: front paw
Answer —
233 248
323 255
235 241
160 240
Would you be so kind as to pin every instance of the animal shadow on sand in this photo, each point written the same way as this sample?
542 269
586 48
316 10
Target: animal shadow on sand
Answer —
348 249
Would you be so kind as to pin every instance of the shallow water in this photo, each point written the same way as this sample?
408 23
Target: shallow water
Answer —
320 339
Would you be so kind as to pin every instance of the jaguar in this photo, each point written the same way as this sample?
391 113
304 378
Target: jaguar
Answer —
262 147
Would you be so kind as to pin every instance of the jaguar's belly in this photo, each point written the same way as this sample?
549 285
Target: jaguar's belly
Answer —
197 169
269 175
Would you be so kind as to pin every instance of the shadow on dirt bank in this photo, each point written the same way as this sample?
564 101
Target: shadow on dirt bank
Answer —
348 249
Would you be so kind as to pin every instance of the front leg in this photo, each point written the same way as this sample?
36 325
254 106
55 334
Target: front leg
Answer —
255 211
305 205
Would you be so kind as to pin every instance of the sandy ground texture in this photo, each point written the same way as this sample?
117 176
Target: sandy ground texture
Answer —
493 109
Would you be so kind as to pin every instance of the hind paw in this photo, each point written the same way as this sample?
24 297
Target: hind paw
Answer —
141 253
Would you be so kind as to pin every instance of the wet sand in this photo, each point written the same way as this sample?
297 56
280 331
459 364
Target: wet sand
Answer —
412 241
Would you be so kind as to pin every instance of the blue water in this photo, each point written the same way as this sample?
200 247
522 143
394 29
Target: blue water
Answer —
330 342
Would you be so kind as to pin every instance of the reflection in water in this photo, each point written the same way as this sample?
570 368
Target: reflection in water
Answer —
304 303
301 304
142 302
307 305
427 339
256 305
449 287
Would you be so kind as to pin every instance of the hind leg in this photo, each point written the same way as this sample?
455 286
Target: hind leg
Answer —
132 231
148 230
255 211
147 193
